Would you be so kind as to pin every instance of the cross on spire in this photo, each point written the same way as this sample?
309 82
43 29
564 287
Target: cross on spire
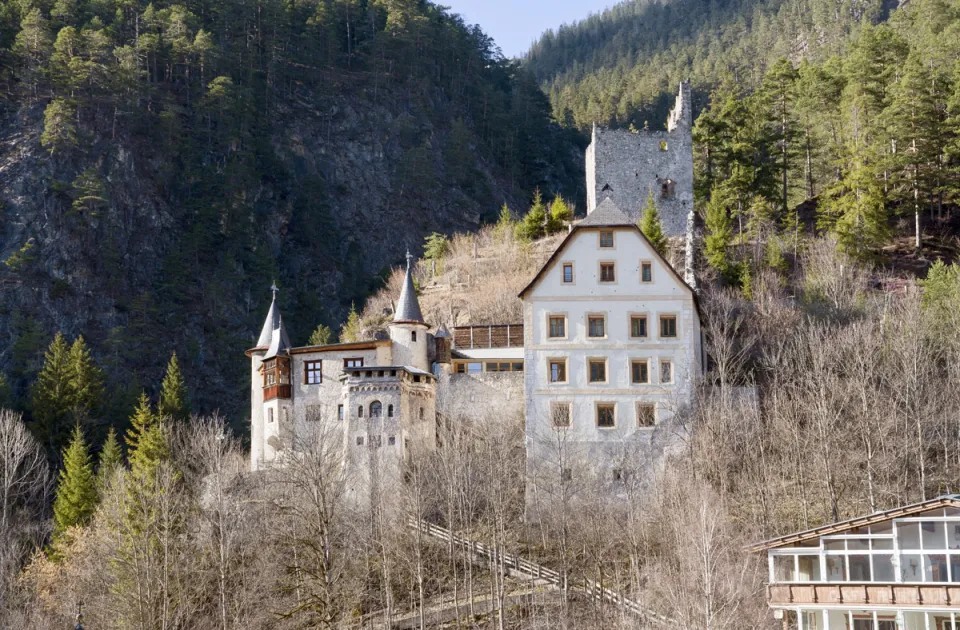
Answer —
274 289
409 258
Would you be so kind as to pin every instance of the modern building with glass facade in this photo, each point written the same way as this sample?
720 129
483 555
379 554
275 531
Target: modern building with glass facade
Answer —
893 570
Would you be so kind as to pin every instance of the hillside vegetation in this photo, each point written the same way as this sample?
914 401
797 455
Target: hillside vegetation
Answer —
163 163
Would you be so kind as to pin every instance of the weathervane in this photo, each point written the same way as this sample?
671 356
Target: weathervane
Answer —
274 289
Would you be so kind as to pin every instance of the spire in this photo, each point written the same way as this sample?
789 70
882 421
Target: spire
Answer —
279 342
408 308
272 322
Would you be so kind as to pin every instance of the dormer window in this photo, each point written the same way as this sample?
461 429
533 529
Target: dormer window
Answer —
606 239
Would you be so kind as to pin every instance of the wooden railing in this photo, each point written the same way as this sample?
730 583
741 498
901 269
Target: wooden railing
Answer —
491 336
535 571
866 593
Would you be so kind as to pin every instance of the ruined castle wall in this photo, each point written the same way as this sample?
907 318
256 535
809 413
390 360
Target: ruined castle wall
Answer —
626 166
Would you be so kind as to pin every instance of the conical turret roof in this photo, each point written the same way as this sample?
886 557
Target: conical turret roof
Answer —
279 341
408 307
272 321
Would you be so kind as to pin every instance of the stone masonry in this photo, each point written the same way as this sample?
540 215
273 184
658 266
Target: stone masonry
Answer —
626 166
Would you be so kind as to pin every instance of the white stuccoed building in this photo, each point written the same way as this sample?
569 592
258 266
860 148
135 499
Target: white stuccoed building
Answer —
612 350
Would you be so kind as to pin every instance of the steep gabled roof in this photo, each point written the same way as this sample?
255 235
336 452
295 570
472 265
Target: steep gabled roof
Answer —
408 307
950 500
272 321
607 214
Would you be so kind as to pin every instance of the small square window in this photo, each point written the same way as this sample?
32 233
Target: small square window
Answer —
640 372
558 370
340 412
606 239
560 414
558 327
607 272
596 326
646 415
606 416
567 273
392 440
619 476
668 326
349 363
359 441
376 441
638 326
666 372
598 370
646 272
313 372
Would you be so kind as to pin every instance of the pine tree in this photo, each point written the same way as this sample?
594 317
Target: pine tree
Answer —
146 439
780 84
59 127
652 227
76 489
350 331
111 458
560 214
719 231
533 224
173 393
53 396
321 336
505 223
435 246
86 382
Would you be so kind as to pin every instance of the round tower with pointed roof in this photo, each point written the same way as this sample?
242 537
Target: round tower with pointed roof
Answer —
270 391
408 331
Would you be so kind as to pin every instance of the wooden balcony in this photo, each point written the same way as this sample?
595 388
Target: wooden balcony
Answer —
495 336
864 593
272 392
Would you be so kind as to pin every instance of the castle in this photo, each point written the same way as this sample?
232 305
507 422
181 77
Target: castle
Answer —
608 351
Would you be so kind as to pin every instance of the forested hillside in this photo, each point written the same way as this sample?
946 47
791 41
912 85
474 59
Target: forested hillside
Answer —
163 163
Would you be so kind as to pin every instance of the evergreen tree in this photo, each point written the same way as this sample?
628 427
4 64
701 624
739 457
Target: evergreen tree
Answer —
719 231
86 383
173 403
436 247
350 331
146 439
111 458
6 393
779 84
560 214
505 223
76 488
533 225
53 396
59 127
652 227
915 119
321 336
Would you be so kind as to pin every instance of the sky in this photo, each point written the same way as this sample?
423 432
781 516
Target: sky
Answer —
515 24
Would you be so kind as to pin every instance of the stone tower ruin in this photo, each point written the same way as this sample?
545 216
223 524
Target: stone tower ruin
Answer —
626 166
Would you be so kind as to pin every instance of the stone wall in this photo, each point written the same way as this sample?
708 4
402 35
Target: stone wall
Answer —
627 166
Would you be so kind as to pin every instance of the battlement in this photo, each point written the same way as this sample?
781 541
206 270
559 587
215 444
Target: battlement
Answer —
628 166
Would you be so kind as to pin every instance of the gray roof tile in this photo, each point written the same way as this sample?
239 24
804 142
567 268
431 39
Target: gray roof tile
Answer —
606 214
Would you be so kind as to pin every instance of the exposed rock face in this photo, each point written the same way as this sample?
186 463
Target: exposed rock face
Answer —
172 255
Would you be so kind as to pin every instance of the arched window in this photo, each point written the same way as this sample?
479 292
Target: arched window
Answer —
389 411
376 409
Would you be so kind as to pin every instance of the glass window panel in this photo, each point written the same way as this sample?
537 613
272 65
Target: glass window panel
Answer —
911 569
882 528
783 568
474 368
646 272
955 567
834 545
638 326
953 535
882 544
568 273
886 624
934 568
836 569
883 568
859 568
858 544
809 568
518 367
908 535
596 327
933 534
